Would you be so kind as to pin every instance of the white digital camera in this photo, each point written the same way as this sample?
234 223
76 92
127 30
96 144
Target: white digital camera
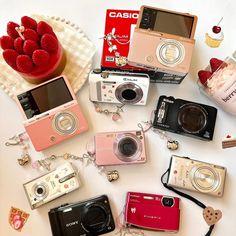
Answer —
52 185
118 87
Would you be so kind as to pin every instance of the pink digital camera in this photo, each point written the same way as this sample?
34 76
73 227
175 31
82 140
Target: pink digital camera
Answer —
52 113
153 212
117 148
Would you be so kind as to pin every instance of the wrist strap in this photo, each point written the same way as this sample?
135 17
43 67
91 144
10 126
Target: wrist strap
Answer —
197 202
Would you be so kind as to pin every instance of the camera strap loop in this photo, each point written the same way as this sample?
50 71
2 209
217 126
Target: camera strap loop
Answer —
188 197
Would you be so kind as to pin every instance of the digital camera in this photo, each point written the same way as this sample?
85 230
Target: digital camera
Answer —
196 176
52 113
52 185
118 87
86 218
163 40
153 212
185 117
117 148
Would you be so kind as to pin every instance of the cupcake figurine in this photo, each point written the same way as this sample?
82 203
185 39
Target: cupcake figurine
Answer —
215 36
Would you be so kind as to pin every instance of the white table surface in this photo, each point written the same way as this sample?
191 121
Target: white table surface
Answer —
90 16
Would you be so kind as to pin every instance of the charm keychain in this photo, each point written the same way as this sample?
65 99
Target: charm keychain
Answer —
171 144
116 116
21 140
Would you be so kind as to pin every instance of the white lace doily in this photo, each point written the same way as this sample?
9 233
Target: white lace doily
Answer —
79 52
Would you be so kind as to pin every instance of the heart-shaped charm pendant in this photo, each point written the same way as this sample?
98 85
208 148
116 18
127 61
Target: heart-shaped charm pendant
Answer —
211 216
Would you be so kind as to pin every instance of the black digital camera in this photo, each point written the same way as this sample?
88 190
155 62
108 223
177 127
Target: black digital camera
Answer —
86 218
185 117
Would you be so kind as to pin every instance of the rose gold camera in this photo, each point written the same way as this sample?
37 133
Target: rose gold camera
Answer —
117 148
163 40
52 113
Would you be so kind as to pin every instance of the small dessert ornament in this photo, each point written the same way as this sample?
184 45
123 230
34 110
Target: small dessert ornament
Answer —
33 50
215 36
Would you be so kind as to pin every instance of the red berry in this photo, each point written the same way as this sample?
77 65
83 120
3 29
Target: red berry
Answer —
216 63
10 56
40 57
11 31
18 45
216 29
24 63
44 28
49 43
31 34
204 75
6 42
28 22
29 47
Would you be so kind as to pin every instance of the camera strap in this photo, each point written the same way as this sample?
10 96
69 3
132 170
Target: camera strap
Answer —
208 212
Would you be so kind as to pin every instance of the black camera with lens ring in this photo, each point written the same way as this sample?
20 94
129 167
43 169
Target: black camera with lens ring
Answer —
85 218
185 117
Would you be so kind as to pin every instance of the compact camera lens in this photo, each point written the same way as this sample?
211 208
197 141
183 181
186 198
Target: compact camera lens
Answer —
129 94
40 190
127 147
167 201
95 218
192 118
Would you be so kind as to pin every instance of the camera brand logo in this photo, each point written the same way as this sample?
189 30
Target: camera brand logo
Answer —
130 79
133 210
72 223
123 15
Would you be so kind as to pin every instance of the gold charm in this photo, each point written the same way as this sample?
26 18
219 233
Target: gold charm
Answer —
211 216
112 175
24 160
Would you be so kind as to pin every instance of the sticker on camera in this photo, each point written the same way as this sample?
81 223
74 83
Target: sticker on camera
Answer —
17 218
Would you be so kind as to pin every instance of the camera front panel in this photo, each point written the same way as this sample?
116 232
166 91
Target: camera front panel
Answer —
185 117
52 185
90 217
120 148
150 211
196 176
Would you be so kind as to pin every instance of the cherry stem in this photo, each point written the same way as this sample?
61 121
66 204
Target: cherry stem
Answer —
220 21
20 30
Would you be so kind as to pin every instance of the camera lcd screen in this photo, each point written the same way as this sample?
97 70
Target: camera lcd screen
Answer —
172 23
45 97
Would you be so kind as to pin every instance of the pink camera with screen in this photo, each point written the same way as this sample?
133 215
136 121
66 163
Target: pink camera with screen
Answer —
117 148
52 113
152 212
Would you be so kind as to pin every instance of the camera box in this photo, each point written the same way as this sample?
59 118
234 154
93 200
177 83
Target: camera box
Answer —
119 27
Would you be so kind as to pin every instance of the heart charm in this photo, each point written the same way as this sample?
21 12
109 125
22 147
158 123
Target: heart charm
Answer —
211 216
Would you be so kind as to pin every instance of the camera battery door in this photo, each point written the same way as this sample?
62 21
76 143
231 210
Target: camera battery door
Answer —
52 113
185 117
120 148
90 217
152 212
196 176
118 87
50 186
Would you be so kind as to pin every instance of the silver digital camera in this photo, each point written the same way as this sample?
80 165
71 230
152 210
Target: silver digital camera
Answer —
196 176
52 185
118 87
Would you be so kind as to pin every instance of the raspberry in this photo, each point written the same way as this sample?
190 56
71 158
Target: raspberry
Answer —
49 43
29 47
10 56
204 75
40 57
44 28
24 63
6 42
31 34
216 63
28 22
11 31
18 45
